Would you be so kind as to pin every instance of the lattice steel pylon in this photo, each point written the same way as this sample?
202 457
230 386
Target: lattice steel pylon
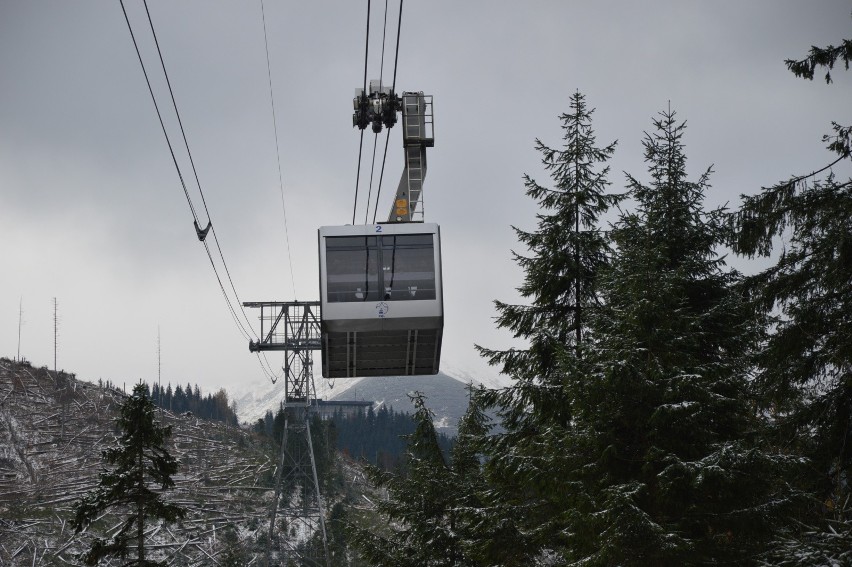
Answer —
294 537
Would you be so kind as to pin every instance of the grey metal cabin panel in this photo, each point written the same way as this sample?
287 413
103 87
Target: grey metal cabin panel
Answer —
382 300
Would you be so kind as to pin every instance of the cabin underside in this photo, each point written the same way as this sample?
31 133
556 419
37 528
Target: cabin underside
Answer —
381 353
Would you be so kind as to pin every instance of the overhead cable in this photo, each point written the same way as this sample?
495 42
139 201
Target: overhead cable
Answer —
174 104
381 176
393 91
277 149
372 167
159 114
195 172
357 176
384 34
375 141
240 326
396 55
247 334
364 93
366 46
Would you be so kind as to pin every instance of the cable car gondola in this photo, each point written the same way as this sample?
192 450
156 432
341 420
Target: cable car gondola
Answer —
381 299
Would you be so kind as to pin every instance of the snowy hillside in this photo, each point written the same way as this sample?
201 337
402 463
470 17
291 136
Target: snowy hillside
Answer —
53 428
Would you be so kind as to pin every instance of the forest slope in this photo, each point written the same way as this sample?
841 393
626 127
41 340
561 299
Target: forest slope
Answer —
53 428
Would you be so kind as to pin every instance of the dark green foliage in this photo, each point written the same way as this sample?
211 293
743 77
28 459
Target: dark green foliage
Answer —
474 507
636 440
378 437
234 553
567 250
527 463
140 462
374 436
670 469
337 528
807 362
324 441
212 406
805 369
824 57
431 507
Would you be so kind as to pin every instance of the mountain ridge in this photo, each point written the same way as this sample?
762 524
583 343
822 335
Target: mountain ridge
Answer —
446 396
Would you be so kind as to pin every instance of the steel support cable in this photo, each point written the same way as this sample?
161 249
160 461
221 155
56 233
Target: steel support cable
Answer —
246 334
393 91
381 176
231 281
267 370
384 35
195 172
159 114
264 370
372 168
271 374
367 47
277 149
183 183
375 141
357 176
396 55
174 104
361 144
177 166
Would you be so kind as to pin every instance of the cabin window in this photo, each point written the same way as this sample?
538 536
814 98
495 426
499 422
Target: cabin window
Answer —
352 268
407 271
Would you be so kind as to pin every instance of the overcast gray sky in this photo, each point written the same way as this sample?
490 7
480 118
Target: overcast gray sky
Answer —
92 213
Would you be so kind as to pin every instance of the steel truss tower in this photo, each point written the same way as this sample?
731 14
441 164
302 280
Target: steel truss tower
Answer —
296 518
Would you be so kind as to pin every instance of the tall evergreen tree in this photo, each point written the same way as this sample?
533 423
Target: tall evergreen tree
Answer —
140 461
668 464
428 505
567 251
474 509
806 366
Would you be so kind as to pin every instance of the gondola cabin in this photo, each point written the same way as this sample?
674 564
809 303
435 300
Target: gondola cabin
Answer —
381 299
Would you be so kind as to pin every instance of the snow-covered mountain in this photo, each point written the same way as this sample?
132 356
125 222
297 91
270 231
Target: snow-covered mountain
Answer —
445 392
254 400
446 396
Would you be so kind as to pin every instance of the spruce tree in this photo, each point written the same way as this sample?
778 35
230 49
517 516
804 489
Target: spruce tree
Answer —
806 366
567 251
429 501
471 513
141 469
667 463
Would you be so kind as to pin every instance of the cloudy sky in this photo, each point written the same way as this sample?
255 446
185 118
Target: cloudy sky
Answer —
92 211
